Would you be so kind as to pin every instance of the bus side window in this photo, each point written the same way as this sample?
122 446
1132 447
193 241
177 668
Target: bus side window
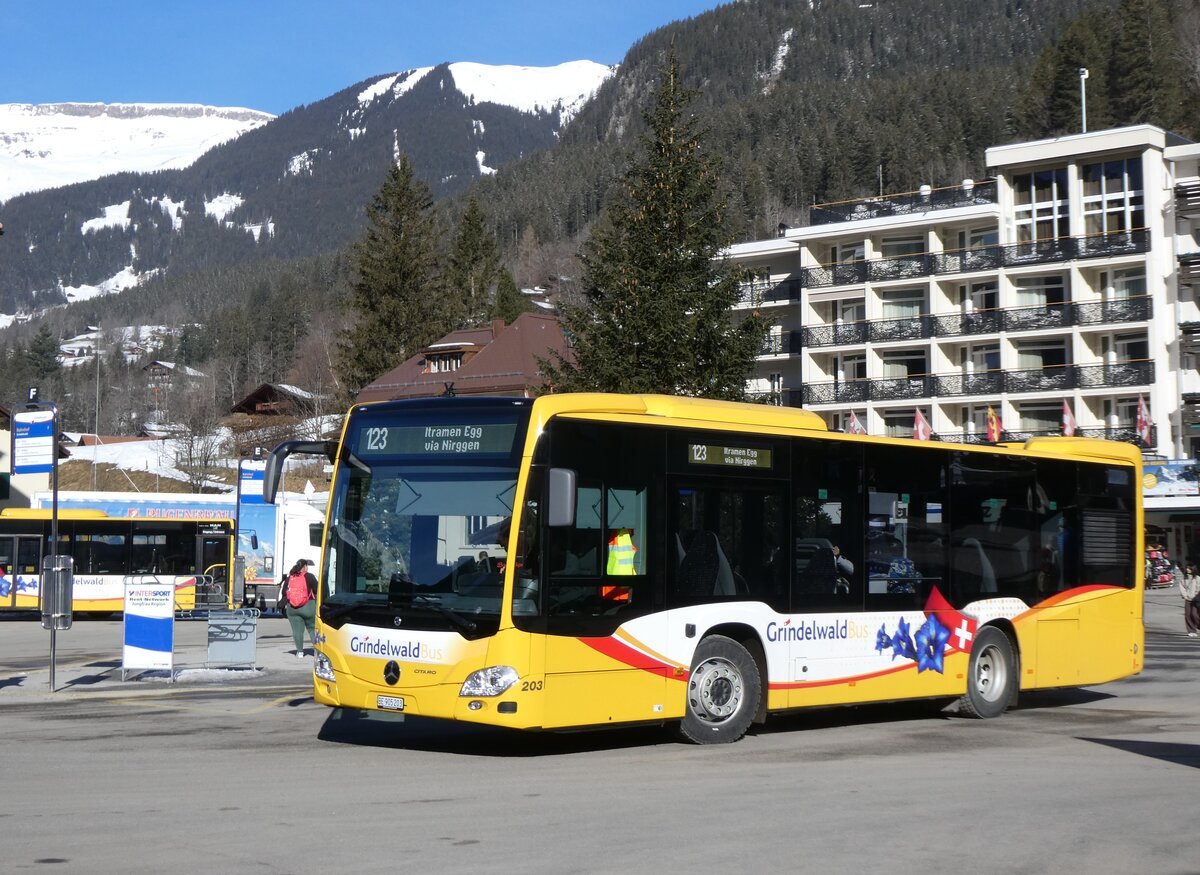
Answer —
907 526
827 549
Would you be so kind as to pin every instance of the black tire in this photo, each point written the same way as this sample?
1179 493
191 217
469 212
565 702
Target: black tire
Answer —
723 692
991 675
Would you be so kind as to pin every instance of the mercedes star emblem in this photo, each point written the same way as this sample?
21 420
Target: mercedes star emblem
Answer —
391 672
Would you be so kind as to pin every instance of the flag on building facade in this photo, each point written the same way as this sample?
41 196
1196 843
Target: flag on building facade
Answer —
993 426
1069 425
855 426
921 428
1143 421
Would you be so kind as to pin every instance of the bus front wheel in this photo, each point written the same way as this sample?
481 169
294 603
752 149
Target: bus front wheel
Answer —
723 692
991 675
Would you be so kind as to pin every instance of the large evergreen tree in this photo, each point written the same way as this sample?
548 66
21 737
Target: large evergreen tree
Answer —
474 265
509 303
398 297
658 294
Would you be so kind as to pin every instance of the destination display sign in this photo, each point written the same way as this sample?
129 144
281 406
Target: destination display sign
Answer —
460 439
729 457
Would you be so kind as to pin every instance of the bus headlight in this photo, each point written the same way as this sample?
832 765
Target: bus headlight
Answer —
322 667
491 681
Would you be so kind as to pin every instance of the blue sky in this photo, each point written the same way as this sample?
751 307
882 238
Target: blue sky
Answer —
273 55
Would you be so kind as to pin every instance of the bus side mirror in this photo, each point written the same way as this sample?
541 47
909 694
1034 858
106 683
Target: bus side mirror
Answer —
561 506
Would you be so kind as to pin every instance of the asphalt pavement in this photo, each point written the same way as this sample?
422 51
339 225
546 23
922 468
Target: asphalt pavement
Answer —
88 656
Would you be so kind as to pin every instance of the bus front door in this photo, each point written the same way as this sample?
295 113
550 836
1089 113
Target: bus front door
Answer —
19 563
213 552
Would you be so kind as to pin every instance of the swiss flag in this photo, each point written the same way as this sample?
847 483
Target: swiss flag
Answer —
1068 424
921 428
855 426
1143 421
962 628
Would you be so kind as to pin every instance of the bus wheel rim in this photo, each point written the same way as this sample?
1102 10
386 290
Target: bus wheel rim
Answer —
716 690
990 674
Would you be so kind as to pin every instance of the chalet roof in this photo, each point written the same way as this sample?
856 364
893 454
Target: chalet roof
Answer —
505 364
271 398
175 368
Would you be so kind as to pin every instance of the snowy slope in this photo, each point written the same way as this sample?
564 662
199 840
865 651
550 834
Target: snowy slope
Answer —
529 89
49 145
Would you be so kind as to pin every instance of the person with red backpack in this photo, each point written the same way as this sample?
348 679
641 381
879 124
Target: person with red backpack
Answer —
300 594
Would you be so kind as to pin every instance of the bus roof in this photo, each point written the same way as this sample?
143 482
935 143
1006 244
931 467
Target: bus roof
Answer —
44 513
738 414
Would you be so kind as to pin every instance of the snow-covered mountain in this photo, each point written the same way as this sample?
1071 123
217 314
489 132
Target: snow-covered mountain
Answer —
565 87
54 144
284 187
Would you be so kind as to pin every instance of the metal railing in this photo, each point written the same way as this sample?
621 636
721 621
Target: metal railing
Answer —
759 292
948 197
1031 318
1125 433
1053 378
1048 250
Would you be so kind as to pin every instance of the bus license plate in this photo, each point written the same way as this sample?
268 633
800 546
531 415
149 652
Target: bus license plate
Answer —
389 703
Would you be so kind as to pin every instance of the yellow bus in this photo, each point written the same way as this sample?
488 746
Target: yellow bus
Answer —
194 556
598 560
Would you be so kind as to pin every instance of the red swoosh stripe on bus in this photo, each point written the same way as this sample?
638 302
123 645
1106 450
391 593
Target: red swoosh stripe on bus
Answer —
623 653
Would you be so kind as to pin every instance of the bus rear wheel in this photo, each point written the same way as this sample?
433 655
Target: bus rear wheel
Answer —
723 692
991 675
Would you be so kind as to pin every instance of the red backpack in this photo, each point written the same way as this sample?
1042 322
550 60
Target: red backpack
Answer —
297 590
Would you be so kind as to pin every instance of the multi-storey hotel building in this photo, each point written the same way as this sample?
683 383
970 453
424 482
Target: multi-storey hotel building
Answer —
1072 272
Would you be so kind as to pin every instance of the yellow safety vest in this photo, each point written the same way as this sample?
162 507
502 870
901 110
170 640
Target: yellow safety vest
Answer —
620 553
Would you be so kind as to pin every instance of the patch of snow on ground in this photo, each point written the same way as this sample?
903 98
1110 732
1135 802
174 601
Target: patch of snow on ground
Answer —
410 78
483 168
115 216
530 89
174 209
302 163
126 279
222 205
375 89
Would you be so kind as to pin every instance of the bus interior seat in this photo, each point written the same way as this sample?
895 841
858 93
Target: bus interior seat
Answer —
704 570
820 574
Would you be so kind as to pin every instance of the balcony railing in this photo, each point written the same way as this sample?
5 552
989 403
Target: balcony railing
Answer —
1189 269
1049 250
758 292
1054 378
982 192
1187 198
1126 433
977 322
780 344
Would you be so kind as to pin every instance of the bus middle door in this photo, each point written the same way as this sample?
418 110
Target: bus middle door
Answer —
19 561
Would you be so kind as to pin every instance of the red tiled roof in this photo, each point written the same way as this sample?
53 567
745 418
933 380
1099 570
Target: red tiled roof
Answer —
505 364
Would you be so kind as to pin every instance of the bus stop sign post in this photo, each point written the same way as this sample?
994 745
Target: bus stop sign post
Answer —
35 451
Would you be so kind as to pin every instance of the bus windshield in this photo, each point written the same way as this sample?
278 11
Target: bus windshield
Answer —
420 518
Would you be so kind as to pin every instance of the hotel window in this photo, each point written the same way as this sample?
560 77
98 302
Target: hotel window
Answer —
894 247
1041 291
977 238
1042 354
900 423
852 310
1128 282
974 418
1131 347
1125 411
1040 417
982 296
906 304
851 367
905 363
441 364
982 358
844 253
1112 196
1041 204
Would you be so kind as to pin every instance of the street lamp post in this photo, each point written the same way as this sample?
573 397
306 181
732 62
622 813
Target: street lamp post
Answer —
1083 74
